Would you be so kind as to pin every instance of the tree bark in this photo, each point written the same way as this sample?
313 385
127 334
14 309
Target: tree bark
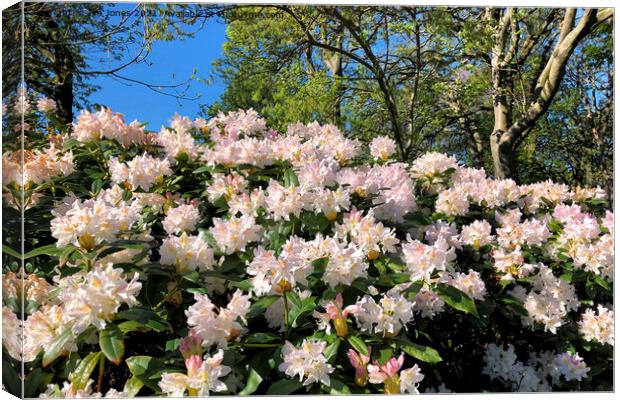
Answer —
507 134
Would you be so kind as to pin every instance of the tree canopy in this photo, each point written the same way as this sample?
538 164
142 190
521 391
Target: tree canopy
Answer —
526 92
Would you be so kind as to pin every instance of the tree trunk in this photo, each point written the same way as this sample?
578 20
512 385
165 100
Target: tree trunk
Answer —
507 135
476 144
334 63
501 150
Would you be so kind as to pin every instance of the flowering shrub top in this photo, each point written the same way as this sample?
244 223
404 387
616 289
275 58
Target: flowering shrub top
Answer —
222 256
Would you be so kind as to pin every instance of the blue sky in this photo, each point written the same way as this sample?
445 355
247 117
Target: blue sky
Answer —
168 63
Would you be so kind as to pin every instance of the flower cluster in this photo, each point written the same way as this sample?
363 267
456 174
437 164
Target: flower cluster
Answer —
598 326
223 256
36 167
203 377
221 327
141 172
89 223
537 374
307 361
106 124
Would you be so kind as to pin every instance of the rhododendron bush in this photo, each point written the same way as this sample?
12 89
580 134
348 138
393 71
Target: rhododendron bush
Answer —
221 256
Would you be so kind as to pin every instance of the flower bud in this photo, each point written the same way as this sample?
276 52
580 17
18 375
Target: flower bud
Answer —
373 255
332 215
87 241
340 324
190 346
392 385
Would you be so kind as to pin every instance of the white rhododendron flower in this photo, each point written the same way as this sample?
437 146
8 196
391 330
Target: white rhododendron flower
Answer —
232 125
274 275
88 223
233 258
410 379
395 192
181 219
236 233
470 283
386 318
598 325
42 328
178 140
36 167
477 234
71 391
31 286
549 301
95 297
226 185
307 362
187 253
422 260
432 163
247 204
346 261
45 104
453 202
142 172
218 327
428 303
571 366
372 237
106 124
444 231
382 147
202 378
12 334
282 202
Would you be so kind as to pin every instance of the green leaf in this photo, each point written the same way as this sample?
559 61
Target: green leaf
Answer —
132 386
320 264
419 351
332 351
259 306
338 387
10 379
358 344
79 377
514 305
456 298
555 226
147 369
314 222
290 178
293 299
262 337
32 382
49 250
385 354
57 346
418 218
244 285
112 343
602 282
7 250
284 386
146 318
297 311
96 186
173 344
254 379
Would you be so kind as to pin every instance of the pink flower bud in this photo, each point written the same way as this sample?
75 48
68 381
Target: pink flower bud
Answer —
190 345
393 365
193 364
